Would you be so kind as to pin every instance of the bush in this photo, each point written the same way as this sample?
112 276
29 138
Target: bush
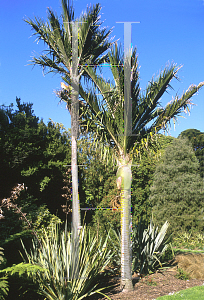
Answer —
190 240
182 275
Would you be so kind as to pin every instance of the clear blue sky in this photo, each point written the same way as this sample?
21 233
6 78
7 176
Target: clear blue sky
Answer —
170 31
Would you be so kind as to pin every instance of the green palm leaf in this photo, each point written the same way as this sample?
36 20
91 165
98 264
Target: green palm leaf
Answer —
108 107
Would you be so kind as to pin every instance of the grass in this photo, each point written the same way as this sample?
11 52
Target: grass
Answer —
177 250
194 293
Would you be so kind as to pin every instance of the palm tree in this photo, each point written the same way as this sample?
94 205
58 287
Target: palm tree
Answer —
106 109
69 51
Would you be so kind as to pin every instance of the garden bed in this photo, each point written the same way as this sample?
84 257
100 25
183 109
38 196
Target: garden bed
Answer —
162 282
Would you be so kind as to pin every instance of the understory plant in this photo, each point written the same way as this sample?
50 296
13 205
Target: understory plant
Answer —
60 274
115 246
190 240
182 274
148 246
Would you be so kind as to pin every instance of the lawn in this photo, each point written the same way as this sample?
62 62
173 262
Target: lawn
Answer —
194 293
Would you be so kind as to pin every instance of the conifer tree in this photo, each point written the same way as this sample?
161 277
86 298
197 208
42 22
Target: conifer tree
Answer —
177 193
196 137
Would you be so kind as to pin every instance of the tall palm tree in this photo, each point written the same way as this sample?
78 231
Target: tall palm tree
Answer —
69 52
106 110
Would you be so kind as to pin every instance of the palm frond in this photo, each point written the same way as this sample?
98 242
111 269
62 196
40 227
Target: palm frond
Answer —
61 41
150 100
57 35
106 105
67 16
175 107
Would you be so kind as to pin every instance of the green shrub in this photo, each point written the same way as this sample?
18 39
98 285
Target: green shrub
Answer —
188 240
168 255
182 274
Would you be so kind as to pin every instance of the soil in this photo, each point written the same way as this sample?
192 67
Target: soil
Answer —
150 287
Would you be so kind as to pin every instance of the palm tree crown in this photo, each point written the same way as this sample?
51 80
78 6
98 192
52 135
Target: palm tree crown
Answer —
92 40
147 117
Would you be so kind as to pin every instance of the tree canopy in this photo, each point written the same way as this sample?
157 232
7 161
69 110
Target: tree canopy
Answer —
177 193
34 154
196 137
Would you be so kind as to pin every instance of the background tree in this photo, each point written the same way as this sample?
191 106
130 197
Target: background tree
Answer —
95 173
177 193
196 137
142 178
34 154
17 133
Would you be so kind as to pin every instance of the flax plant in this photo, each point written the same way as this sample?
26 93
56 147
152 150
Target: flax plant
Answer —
57 261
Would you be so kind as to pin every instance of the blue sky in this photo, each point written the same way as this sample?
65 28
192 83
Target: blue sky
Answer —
170 31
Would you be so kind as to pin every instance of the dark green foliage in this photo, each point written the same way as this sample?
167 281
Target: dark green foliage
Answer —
22 287
104 214
111 201
16 137
168 255
142 178
97 181
4 287
13 228
177 193
33 153
196 137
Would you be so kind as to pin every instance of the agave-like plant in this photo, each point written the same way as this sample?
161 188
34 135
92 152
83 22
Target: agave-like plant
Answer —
57 259
147 246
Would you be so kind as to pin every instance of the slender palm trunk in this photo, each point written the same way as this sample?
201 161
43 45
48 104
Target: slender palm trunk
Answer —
76 222
75 209
124 176
76 219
